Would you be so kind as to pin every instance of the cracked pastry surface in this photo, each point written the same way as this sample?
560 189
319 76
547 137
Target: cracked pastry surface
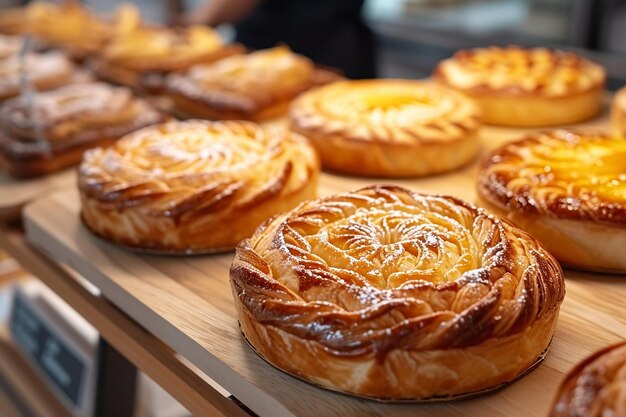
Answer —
194 186
526 86
62 123
255 86
618 112
395 295
45 71
390 128
567 188
596 387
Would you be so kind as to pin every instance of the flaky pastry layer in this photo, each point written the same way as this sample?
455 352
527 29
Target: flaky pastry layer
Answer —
395 295
563 177
390 128
596 387
195 186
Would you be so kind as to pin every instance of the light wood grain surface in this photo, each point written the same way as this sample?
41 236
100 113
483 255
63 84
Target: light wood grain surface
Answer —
15 193
187 303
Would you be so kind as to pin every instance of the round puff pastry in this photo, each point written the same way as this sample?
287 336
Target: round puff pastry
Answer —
76 30
44 71
566 188
195 186
257 86
388 128
526 87
53 133
140 57
596 387
394 295
618 113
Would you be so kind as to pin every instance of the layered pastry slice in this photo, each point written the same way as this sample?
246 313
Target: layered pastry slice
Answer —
257 86
52 132
141 57
618 113
194 187
526 87
43 71
76 30
568 189
394 295
388 128
596 387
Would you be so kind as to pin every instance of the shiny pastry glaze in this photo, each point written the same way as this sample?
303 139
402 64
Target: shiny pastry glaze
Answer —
387 111
596 387
162 49
563 173
520 71
383 269
194 173
246 83
50 69
71 115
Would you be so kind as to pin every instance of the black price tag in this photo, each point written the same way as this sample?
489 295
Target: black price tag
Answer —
65 368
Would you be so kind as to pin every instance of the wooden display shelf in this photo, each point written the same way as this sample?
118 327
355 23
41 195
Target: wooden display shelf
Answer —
15 193
186 302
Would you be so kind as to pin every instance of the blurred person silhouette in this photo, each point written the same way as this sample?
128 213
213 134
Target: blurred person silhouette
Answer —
330 32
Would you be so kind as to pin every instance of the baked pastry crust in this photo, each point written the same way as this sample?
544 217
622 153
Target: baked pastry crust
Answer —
388 128
45 71
9 46
195 186
618 113
76 30
568 189
394 295
141 57
526 87
65 122
596 387
257 86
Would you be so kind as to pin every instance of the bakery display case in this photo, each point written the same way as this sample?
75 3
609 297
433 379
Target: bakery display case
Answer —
261 235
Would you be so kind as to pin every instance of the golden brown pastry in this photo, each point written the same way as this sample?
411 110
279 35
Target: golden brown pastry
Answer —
44 71
13 21
141 57
74 28
257 86
568 189
618 113
195 186
596 387
394 295
526 87
388 128
63 123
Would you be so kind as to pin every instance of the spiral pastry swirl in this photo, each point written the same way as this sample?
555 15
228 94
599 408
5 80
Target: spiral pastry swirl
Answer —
255 86
173 187
568 188
389 128
596 387
399 295
44 71
526 86
618 113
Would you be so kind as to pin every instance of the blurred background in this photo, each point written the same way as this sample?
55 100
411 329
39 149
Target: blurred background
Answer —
413 35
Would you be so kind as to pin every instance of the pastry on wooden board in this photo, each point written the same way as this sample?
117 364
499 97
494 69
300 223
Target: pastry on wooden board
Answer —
388 128
394 295
195 186
568 189
526 87
61 124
